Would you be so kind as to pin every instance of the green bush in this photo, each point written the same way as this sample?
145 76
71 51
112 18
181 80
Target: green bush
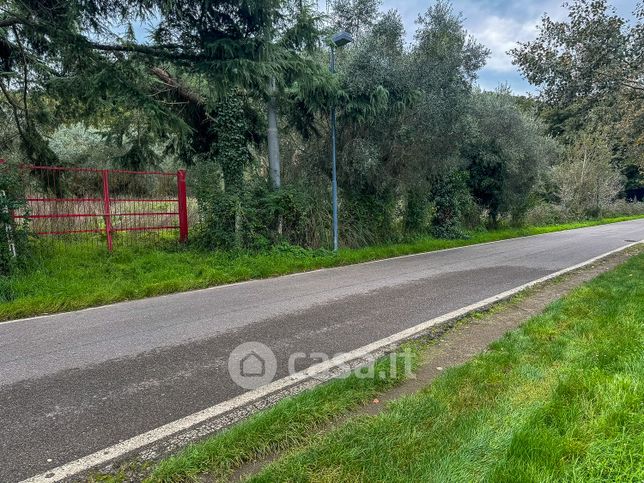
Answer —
624 208
256 218
367 219
552 213
417 212
451 198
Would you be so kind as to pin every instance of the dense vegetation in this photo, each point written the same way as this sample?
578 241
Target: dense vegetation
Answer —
421 150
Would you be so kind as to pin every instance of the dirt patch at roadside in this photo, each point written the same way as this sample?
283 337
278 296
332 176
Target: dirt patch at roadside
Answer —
453 344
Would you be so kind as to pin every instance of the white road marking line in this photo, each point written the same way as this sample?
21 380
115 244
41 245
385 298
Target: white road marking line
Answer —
106 455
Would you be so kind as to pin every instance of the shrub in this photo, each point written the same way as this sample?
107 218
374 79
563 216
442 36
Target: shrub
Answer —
451 197
587 183
547 214
553 214
257 217
624 208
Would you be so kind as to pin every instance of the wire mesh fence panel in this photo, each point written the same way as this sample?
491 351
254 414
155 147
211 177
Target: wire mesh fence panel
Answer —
110 207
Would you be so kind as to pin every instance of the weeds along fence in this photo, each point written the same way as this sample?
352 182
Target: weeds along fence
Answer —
109 206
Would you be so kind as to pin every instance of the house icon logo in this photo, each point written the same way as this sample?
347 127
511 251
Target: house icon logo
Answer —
252 365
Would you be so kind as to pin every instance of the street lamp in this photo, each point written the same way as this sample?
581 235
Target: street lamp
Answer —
337 40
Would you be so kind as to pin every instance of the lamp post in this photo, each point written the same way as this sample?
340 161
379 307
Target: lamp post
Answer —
338 40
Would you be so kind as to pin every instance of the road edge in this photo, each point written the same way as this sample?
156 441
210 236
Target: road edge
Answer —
305 272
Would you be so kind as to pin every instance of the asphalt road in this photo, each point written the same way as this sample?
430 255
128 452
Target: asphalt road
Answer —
74 383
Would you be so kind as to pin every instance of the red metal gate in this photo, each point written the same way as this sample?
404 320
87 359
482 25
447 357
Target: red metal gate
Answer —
66 201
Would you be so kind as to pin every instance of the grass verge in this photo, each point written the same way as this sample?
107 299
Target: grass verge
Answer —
76 276
285 425
560 399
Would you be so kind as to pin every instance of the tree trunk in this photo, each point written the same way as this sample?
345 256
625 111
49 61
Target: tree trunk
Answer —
273 138
238 223
274 163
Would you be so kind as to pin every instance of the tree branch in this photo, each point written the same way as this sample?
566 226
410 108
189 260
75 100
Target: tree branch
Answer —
14 107
179 89
161 51
10 22
636 86
25 71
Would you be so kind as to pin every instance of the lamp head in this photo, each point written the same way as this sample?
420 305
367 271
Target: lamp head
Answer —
341 38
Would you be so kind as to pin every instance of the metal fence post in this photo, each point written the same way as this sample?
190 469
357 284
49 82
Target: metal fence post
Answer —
106 207
183 205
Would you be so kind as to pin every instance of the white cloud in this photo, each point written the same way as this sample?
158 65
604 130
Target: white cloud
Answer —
500 35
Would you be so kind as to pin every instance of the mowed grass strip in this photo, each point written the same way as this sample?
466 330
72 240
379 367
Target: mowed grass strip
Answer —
285 425
66 277
560 399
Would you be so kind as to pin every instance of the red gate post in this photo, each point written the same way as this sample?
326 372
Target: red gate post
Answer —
106 207
183 205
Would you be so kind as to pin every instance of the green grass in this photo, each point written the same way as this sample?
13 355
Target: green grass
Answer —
560 399
76 276
288 423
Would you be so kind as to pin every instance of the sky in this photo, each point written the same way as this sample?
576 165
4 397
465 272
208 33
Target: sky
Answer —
498 25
